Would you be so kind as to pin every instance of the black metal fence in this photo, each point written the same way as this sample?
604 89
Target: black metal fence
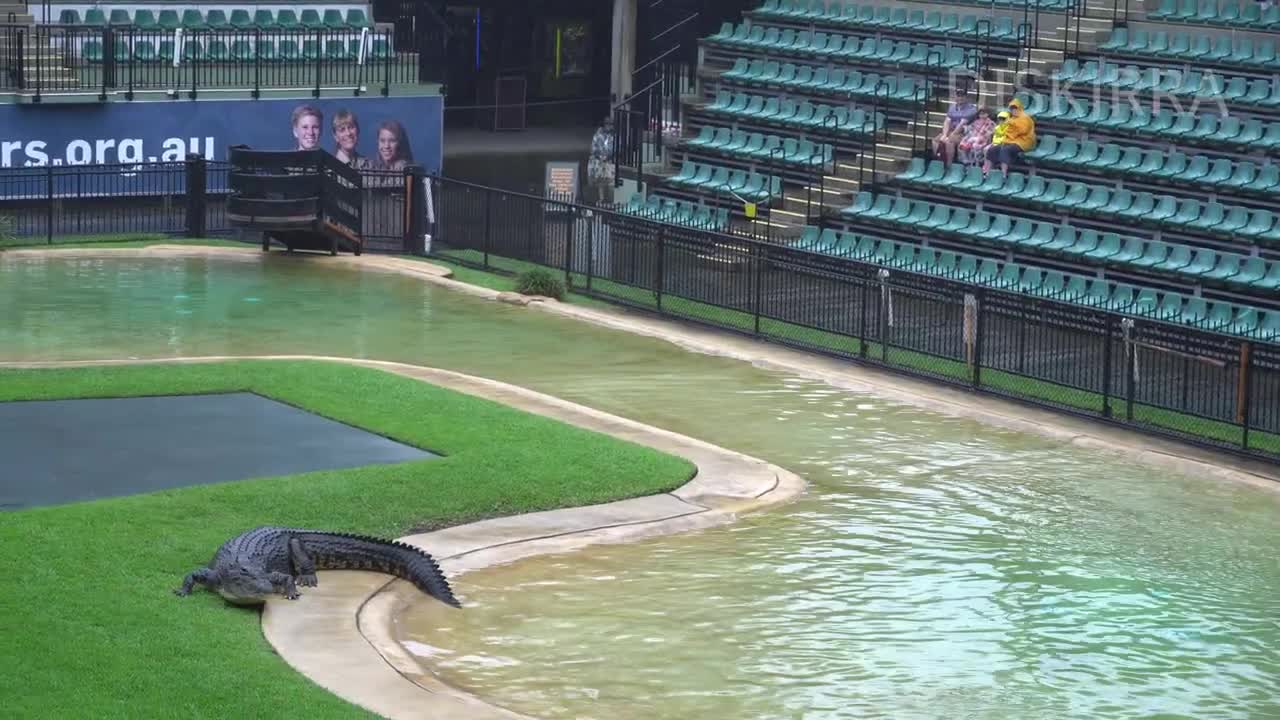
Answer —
1199 386
83 203
53 58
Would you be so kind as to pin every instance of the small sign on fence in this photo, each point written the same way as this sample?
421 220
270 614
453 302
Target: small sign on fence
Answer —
562 181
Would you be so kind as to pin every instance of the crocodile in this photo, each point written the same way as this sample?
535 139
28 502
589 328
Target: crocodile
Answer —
269 560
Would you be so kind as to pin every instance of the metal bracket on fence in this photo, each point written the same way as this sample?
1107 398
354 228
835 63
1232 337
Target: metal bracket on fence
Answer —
886 296
1130 347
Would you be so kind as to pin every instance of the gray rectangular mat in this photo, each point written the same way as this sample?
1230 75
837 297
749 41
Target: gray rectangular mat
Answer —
59 451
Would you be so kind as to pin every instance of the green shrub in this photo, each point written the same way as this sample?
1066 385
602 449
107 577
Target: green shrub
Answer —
540 282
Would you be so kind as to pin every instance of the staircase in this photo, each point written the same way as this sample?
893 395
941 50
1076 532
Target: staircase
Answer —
1057 34
42 65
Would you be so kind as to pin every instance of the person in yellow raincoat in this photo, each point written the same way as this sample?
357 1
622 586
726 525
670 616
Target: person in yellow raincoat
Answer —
1013 137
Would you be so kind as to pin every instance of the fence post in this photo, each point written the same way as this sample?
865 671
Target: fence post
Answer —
108 61
20 63
657 280
386 67
196 167
971 331
257 64
415 231
488 213
570 236
862 321
1130 367
886 311
1108 321
48 205
757 278
1244 392
591 250
319 60
979 301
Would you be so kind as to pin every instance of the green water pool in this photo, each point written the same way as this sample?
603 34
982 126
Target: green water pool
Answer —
936 569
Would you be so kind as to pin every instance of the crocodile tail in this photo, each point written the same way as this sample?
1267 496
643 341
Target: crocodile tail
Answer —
339 551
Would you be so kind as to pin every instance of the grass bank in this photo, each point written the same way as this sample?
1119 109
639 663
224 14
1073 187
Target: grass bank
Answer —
91 626
124 240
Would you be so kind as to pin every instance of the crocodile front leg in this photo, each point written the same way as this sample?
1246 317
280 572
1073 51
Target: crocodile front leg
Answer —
204 576
304 568
283 583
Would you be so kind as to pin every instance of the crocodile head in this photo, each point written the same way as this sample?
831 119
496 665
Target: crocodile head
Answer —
244 585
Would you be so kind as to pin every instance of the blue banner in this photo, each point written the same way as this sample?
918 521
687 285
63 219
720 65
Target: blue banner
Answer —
133 141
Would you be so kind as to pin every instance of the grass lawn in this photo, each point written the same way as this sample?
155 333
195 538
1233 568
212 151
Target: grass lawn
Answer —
90 625
127 240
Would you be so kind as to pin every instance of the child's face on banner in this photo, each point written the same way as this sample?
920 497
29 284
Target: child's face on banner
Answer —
307 132
388 144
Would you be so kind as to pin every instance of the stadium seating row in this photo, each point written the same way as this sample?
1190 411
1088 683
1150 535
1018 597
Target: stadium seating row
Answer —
1197 171
1237 319
217 20
1089 247
806 78
837 11
721 180
952 26
1189 84
1251 135
870 51
193 50
678 212
1236 14
758 147
838 48
1192 48
801 115
1056 195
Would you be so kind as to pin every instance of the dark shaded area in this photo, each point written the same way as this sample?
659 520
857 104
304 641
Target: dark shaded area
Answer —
61 451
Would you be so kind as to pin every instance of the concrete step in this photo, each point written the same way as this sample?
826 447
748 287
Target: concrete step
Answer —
813 195
1047 54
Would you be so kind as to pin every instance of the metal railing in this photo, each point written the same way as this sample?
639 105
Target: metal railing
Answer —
1207 388
53 204
69 59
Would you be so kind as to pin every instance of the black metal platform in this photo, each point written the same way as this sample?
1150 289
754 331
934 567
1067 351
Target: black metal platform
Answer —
304 200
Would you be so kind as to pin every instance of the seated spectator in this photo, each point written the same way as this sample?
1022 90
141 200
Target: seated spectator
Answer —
977 136
959 115
997 134
1018 136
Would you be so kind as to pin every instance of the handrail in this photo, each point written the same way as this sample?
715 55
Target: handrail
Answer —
773 171
1024 43
835 158
673 27
652 62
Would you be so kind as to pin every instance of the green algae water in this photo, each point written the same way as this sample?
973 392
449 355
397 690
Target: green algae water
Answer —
937 568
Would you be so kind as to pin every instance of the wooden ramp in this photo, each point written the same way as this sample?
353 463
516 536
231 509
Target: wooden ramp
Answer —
304 200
